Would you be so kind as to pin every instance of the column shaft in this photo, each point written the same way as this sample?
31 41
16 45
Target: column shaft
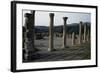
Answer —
88 35
51 32
73 38
84 33
29 34
64 32
80 33
33 28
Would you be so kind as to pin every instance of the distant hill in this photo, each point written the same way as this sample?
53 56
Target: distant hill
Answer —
74 27
40 29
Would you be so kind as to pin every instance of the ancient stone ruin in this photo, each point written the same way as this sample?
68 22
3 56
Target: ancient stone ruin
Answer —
29 34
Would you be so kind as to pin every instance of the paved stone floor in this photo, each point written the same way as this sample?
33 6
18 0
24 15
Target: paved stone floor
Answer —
71 53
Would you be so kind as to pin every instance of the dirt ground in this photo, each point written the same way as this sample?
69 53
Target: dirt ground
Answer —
43 44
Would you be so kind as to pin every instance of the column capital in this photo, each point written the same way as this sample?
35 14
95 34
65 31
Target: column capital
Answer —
81 22
27 15
51 14
65 18
32 11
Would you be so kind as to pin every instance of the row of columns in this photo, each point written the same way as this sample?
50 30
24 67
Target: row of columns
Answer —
51 46
82 38
30 31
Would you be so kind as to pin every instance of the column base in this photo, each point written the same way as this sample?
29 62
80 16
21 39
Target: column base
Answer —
65 47
51 49
27 53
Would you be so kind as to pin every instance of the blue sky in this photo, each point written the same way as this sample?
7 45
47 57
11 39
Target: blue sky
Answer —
42 17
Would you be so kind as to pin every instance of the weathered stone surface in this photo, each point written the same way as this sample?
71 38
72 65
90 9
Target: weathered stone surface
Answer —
29 34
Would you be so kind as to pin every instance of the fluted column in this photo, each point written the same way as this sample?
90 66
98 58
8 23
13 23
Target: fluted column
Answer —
51 47
64 32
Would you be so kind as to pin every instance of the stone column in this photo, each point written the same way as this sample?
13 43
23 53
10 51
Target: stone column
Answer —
80 33
84 33
73 38
32 28
88 35
29 34
64 32
51 47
